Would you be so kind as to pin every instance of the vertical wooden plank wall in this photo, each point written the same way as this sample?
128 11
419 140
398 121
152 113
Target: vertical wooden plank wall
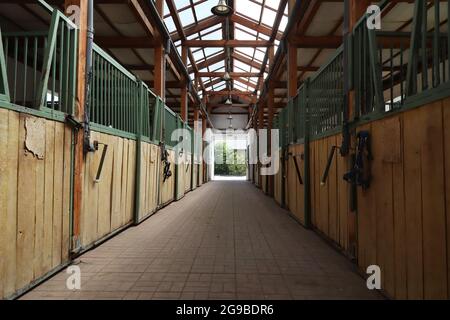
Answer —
34 199
188 172
403 218
329 202
108 204
296 191
150 155
277 184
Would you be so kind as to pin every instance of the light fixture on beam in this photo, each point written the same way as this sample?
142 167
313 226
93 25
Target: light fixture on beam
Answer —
227 76
222 9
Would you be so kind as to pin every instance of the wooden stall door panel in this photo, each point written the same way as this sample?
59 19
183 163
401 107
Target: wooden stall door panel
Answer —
342 198
90 197
9 138
382 187
333 207
433 197
47 241
116 184
366 222
413 129
446 122
105 185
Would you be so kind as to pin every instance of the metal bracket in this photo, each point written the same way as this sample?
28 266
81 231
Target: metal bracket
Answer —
299 175
74 123
327 169
102 160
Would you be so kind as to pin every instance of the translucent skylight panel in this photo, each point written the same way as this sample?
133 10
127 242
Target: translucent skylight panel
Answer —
248 30
203 10
246 52
219 87
180 4
273 4
216 35
249 9
268 17
192 36
169 24
186 17
241 35
253 80
241 65
210 29
211 51
198 55
283 24
259 55
217 65
240 85
263 37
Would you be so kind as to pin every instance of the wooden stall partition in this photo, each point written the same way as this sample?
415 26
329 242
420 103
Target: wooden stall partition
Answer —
403 217
180 175
297 182
194 176
167 186
329 201
188 173
150 154
277 183
264 183
200 174
35 198
291 190
108 203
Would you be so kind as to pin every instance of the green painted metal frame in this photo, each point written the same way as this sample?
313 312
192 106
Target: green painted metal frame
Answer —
60 28
4 87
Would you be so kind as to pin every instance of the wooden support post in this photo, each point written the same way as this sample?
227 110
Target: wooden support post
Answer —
357 9
204 120
78 172
270 105
260 126
160 60
292 71
184 89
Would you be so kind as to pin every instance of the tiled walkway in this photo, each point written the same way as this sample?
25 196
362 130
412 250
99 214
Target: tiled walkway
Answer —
226 240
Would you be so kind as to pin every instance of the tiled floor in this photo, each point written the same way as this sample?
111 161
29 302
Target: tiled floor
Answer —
226 240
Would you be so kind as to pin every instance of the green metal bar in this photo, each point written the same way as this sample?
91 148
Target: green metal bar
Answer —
53 78
411 78
423 47
376 71
137 193
25 69
307 165
436 39
4 93
60 67
16 48
48 57
35 61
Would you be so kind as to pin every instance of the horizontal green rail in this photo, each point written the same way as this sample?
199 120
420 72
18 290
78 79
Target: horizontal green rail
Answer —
4 87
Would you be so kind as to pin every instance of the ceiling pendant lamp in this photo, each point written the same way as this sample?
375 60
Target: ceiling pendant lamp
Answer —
228 102
227 76
222 9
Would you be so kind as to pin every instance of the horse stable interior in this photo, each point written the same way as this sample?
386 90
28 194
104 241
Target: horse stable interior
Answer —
91 92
